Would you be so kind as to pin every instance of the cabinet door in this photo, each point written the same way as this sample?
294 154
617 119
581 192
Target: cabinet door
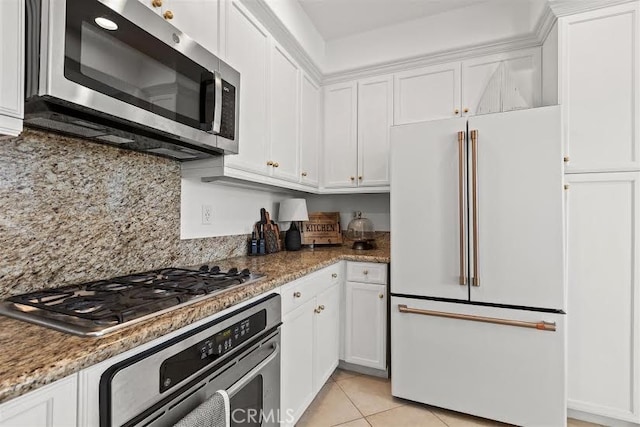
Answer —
248 52
520 209
365 328
309 131
375 116
340 135
327 336
429 93
11 66
51 406
284 115
604 294
297 359
504 82
600 88
199 19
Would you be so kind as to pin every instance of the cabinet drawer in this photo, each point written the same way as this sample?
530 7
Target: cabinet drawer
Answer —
296 293
367 272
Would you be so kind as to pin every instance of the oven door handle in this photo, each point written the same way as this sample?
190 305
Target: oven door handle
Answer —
238 385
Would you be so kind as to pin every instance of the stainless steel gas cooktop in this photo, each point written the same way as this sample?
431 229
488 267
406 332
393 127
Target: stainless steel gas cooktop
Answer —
101 307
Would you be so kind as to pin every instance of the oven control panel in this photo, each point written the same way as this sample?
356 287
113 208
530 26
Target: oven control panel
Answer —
192 359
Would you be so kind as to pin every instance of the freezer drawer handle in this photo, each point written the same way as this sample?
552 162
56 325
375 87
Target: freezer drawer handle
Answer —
543 326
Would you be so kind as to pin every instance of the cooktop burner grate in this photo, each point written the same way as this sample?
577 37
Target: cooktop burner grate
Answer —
126 298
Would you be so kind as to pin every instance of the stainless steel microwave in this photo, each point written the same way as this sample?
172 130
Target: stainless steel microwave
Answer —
115 72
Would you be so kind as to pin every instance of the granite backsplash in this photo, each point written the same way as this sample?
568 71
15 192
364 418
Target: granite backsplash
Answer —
74 211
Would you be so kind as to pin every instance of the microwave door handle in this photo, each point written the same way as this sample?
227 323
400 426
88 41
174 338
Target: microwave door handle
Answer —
217 109
231 391
206 101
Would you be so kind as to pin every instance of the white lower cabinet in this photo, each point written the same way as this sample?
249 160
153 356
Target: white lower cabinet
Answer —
50 406
365 315
366 319
297 389
327 336
603 241
310 338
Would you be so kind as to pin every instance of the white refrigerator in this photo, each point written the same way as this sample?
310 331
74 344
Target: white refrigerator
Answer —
477 280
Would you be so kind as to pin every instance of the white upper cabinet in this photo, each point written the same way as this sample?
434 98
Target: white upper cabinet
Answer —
428 93
284 115
600 88
375 117
310 104
358 117
340 135
503 82
11 66
197 18
603 239
248 50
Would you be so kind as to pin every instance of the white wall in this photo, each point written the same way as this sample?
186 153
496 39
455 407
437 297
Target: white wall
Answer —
376 207
235 209
479 24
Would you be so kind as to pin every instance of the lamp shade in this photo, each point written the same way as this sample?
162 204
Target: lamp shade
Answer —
293 210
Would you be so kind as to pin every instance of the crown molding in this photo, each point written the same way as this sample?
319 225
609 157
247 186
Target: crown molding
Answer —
569 7
450 55
281 33
545 23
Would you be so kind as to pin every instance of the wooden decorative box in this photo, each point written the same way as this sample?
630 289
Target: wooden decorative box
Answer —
323 228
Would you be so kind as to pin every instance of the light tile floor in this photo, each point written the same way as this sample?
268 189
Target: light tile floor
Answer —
353 400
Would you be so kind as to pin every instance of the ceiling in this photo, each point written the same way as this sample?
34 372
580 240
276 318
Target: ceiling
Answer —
340 18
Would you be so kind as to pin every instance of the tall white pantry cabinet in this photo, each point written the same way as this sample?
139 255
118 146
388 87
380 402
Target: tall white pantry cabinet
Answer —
599 90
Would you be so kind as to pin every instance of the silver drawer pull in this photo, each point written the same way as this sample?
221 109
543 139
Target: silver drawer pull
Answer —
543 326
297 294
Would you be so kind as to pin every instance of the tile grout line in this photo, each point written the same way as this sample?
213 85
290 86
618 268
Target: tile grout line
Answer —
348 398
375 413
443 421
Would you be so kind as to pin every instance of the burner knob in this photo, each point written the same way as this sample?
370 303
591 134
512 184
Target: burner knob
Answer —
215 269
204 268
245 272
232 271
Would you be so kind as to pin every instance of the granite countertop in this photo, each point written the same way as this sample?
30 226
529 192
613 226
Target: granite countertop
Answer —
33 356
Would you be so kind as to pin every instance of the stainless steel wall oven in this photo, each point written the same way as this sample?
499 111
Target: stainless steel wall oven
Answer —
115 72
238 353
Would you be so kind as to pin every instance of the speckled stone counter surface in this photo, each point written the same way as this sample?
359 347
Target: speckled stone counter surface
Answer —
33 356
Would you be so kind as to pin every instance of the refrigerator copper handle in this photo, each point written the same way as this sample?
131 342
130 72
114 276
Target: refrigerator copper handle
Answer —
474 194
542 326
463 273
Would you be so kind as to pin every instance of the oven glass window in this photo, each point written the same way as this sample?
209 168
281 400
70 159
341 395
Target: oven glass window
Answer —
247 406
107 53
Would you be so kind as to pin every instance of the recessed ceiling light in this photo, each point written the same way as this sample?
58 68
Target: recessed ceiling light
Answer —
107 24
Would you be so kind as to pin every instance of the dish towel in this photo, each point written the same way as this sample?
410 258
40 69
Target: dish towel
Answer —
214 412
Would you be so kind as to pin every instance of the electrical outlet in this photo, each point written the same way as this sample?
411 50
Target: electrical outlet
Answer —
207 214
